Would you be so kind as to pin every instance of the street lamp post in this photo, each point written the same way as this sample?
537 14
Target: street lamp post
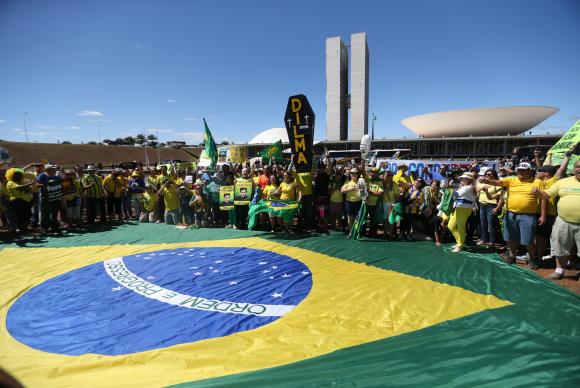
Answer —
373 119
25 130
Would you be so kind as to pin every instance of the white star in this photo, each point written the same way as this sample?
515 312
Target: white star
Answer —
271 277
152 254
233 283
262 263
274 267
180 254
193 267
116 289
266 271
210 267
276 295
286 276
202 253
150 277
146 258
197 273
305 272
218 261
215 271
138 256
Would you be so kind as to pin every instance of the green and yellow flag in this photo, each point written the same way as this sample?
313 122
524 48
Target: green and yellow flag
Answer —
210 147
566 142
282 209
275 150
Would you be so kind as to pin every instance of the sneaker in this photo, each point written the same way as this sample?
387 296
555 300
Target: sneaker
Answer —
555 276
227 227
457 249
234 227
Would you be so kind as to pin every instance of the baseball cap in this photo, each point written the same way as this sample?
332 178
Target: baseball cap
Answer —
524 166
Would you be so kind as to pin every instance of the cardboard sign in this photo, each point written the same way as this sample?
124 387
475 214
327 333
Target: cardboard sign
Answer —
237 154
432 165
227 197
243 193
556 153
299 121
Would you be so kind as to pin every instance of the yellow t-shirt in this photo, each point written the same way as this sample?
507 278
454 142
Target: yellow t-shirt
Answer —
16 191
551 205
520 198
113 185
304 182
391 195
149 202
160 179
405 179
269 189
288 191
171 199
374 185
568 189
492 190
352 196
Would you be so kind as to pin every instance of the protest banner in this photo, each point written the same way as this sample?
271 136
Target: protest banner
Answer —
226 197
299 122
432 165
237 154
222 154
243 193
556 153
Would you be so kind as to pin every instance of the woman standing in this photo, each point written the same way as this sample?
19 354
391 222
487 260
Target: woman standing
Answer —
390 196
412 203
20 197
463 206
353 198
488 196
432 195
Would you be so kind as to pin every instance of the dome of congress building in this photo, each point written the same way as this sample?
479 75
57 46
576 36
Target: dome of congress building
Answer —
271 135
479 122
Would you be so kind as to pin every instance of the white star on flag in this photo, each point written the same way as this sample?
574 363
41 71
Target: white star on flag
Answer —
210 267
286 276
305 272
150 277
233 283
276 295
193 267
274 267
116 289
215 271
266 271
197 273
271 277
218 261
262 263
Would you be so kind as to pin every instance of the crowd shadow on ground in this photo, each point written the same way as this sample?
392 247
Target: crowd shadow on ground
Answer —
37 238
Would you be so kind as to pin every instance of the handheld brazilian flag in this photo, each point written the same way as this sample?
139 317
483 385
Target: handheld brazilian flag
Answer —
283 209
359 222
210 147
275 150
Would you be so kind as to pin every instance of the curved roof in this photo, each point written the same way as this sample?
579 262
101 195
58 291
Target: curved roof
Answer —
271 135
479 122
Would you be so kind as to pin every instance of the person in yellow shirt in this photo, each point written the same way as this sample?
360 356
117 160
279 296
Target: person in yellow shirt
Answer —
402 179
353 197
72 190
336 207
520 220
287 192
304 185
566 230
170 201
271 192
488 196
20 196
375 189
113 185
149 208
391 194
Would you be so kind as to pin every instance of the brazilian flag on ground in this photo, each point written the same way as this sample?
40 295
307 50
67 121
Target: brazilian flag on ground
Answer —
151 305
282 209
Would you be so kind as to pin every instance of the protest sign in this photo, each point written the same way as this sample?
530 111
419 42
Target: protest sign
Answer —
226 197
243 193
556 153
299 121
237 154
432 165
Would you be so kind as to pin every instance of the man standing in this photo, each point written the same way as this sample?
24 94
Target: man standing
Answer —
50 198
566 230
94 194
520 220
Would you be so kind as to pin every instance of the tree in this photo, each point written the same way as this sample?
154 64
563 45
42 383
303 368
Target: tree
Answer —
152 143
119 141
92 142
140 139
109 142
129 140
152 137
66 142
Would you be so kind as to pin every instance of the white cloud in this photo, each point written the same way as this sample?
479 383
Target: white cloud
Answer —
170 100
159 130
191 119
91 113
74 127
2 121
190 137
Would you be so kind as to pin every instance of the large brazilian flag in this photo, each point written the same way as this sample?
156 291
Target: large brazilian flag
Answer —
152 305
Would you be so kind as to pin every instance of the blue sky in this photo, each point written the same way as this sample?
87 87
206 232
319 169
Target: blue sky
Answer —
123 67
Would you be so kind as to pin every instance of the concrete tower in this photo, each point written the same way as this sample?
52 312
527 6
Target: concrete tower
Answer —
336 89
359 86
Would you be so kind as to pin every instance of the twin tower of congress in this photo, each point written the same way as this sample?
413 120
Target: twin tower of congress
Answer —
338 98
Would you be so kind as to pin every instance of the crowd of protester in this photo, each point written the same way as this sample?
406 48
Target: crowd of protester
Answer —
524 204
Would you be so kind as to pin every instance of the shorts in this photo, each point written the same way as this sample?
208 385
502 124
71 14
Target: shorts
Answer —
336 208
545 230
564 235
519 227
321 203
352 208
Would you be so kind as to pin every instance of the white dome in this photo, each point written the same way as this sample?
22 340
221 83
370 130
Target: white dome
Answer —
271 135
479 122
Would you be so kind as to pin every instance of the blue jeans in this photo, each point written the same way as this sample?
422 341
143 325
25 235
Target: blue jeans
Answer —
486 222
